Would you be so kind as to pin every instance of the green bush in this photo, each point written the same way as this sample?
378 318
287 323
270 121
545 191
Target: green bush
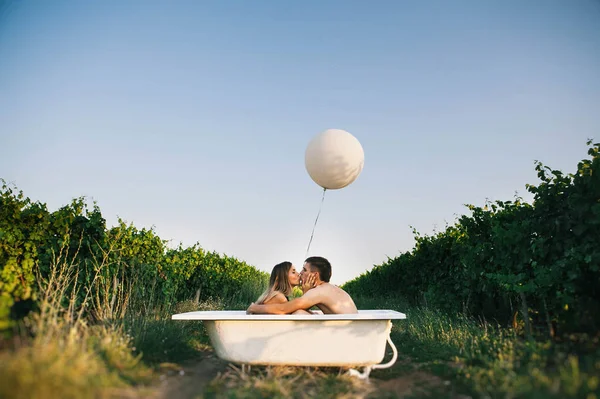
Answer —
511 261
121 266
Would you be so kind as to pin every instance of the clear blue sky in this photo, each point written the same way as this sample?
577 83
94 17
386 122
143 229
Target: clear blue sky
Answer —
193 116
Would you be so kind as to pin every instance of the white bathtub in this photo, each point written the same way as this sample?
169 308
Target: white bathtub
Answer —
337 340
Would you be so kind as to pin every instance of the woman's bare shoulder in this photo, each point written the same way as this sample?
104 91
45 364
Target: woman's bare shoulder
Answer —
277 298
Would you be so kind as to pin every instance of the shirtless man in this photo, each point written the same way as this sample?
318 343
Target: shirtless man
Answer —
315 276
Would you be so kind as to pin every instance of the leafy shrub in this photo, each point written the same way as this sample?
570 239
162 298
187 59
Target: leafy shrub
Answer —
510 260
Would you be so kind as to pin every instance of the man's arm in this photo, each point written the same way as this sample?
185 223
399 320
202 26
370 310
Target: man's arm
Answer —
305 302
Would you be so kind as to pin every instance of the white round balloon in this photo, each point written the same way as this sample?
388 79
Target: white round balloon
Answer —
334 159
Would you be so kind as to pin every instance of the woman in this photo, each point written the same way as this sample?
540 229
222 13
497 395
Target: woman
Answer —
284 278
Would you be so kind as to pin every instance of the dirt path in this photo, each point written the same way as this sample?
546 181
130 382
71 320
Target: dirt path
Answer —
412 383
188 380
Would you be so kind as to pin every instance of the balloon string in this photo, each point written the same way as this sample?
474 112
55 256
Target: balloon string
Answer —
315 225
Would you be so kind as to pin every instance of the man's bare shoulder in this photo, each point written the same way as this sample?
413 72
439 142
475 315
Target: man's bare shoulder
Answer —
331 287
329 292
334 299
318 290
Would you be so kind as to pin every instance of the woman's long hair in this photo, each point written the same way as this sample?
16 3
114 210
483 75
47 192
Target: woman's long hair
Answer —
279 282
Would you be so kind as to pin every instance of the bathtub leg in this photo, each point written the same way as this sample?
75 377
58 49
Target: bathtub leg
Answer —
245 368
365 374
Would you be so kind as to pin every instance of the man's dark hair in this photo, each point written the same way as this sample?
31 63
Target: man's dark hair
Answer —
321 265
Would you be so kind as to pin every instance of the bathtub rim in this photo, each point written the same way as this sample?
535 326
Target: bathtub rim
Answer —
218 315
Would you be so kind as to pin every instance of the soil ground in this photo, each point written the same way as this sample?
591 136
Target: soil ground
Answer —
189 379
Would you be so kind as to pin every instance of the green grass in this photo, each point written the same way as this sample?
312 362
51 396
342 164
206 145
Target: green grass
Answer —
79 345
485 360
65 355
440 356
159 339
81 362
466 357
60 353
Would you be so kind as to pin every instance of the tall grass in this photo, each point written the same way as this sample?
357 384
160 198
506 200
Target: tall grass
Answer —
60 352
159 339
489 361
99 338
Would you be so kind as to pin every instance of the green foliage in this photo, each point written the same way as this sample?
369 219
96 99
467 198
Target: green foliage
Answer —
61 353
23 227
541 260
485 360
119 266
158 339
90 303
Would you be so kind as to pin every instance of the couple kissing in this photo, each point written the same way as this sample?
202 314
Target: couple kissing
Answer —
316 291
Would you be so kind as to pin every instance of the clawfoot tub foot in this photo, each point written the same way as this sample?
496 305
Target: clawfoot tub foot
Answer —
367 370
